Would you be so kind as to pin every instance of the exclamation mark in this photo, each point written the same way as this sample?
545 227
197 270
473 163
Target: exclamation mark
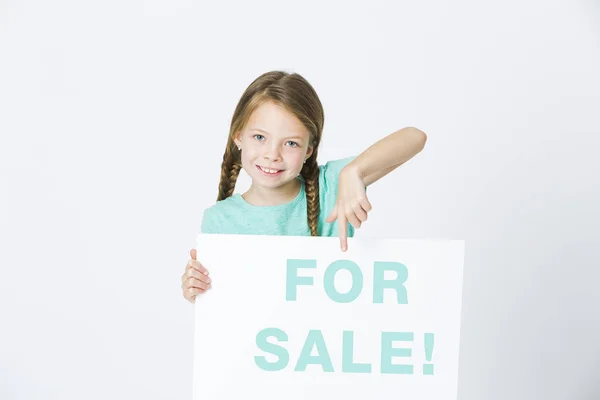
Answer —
428 368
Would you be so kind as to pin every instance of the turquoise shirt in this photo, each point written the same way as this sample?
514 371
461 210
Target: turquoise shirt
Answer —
236 216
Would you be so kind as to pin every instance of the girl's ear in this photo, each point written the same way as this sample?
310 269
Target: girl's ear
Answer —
309 152
236 139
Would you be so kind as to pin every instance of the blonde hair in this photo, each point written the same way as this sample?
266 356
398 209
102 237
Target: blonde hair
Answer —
293 92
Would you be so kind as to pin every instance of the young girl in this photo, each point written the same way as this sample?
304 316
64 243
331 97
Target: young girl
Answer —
274 136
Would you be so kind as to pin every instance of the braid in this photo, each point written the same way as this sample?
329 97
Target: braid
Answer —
230 169
310 173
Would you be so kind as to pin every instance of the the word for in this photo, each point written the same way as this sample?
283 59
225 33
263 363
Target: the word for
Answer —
315 340
293 280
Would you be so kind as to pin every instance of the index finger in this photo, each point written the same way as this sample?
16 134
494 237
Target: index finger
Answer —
342 226
196 265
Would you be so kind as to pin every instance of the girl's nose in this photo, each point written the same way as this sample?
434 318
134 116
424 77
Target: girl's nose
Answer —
273 154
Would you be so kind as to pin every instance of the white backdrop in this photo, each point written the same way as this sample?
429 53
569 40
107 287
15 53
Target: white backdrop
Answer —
113 120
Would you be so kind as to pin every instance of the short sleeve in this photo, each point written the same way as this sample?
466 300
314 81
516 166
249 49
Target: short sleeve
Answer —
328 189
331 171
210 221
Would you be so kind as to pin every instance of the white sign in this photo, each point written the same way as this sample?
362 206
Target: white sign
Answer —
297 318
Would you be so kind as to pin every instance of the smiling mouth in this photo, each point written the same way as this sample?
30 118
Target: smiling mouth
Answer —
269 171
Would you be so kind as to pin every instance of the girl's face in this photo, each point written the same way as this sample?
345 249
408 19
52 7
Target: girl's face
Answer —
274 145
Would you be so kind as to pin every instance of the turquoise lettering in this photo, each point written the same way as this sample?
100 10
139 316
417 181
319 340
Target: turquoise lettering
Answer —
262 343
329 281
348 364
292 280
388 351
314 338
380 283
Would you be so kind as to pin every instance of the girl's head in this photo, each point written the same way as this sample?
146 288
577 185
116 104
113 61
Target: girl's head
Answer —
275 135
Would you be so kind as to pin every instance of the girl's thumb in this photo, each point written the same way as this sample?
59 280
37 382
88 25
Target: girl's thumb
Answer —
333 216
193 254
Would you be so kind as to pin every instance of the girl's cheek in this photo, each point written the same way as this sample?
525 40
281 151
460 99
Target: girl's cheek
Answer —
297 159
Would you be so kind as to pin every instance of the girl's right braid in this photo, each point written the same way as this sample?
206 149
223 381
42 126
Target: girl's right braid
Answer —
230 169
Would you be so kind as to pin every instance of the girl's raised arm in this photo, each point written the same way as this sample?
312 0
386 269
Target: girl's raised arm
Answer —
375 162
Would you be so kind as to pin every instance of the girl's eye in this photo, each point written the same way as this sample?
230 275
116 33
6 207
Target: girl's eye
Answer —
293 144
259 137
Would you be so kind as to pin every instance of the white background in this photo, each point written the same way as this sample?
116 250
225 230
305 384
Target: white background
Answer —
113 121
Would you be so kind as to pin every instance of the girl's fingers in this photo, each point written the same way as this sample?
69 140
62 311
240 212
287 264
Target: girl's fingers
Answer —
366 205
191 293
196 265
342 226
332 216
361 214
193 265
195 279
193 283
194 273
353 219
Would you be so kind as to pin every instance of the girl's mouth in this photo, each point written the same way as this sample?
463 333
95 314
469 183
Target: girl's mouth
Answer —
269 171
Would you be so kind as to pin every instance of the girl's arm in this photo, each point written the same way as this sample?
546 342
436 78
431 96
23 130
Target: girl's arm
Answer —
378 160
387 154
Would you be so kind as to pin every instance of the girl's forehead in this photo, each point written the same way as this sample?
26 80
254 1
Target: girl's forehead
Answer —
273 119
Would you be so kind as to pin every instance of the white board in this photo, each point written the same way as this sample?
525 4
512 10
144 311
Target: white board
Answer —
297 318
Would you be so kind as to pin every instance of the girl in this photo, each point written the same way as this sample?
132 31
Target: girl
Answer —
275 135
